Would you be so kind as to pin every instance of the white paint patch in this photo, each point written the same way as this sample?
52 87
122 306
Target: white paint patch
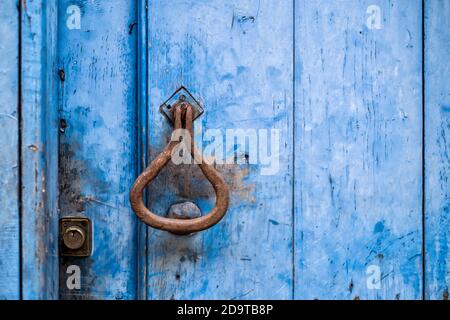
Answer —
373 273
74 280
74 20
374 19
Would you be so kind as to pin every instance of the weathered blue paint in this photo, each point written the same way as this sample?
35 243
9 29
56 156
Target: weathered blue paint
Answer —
98 145
437 147
9 156
358 161
38 150
351 144
236 57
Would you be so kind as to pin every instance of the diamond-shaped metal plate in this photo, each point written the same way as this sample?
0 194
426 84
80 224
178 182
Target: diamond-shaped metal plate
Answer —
182 94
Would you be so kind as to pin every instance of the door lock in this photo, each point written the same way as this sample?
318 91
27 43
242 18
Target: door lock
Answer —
75 236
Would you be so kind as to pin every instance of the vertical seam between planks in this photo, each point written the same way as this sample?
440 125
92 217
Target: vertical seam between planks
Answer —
423 156
60 92
19 144
141 137
137 140
293 149
56 104
146 142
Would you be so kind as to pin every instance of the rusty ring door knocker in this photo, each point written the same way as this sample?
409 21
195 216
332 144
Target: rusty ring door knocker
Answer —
182 112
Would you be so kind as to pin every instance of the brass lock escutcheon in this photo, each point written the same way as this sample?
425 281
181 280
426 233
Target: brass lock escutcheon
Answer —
75 234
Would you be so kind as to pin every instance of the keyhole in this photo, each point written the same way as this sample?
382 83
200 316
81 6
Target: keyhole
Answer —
74 237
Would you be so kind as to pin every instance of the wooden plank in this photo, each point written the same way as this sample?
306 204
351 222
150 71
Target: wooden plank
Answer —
236 57
9 160
437 148
39 164
358 163
98 145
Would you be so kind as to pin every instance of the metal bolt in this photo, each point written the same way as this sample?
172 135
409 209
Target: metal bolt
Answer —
184 210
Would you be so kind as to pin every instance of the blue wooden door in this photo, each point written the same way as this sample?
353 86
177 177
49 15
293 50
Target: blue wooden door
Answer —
327 119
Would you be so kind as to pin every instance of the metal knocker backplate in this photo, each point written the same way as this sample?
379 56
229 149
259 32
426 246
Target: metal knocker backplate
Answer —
183 114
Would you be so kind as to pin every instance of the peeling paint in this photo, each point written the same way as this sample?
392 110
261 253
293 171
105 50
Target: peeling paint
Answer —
97 151
9 142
